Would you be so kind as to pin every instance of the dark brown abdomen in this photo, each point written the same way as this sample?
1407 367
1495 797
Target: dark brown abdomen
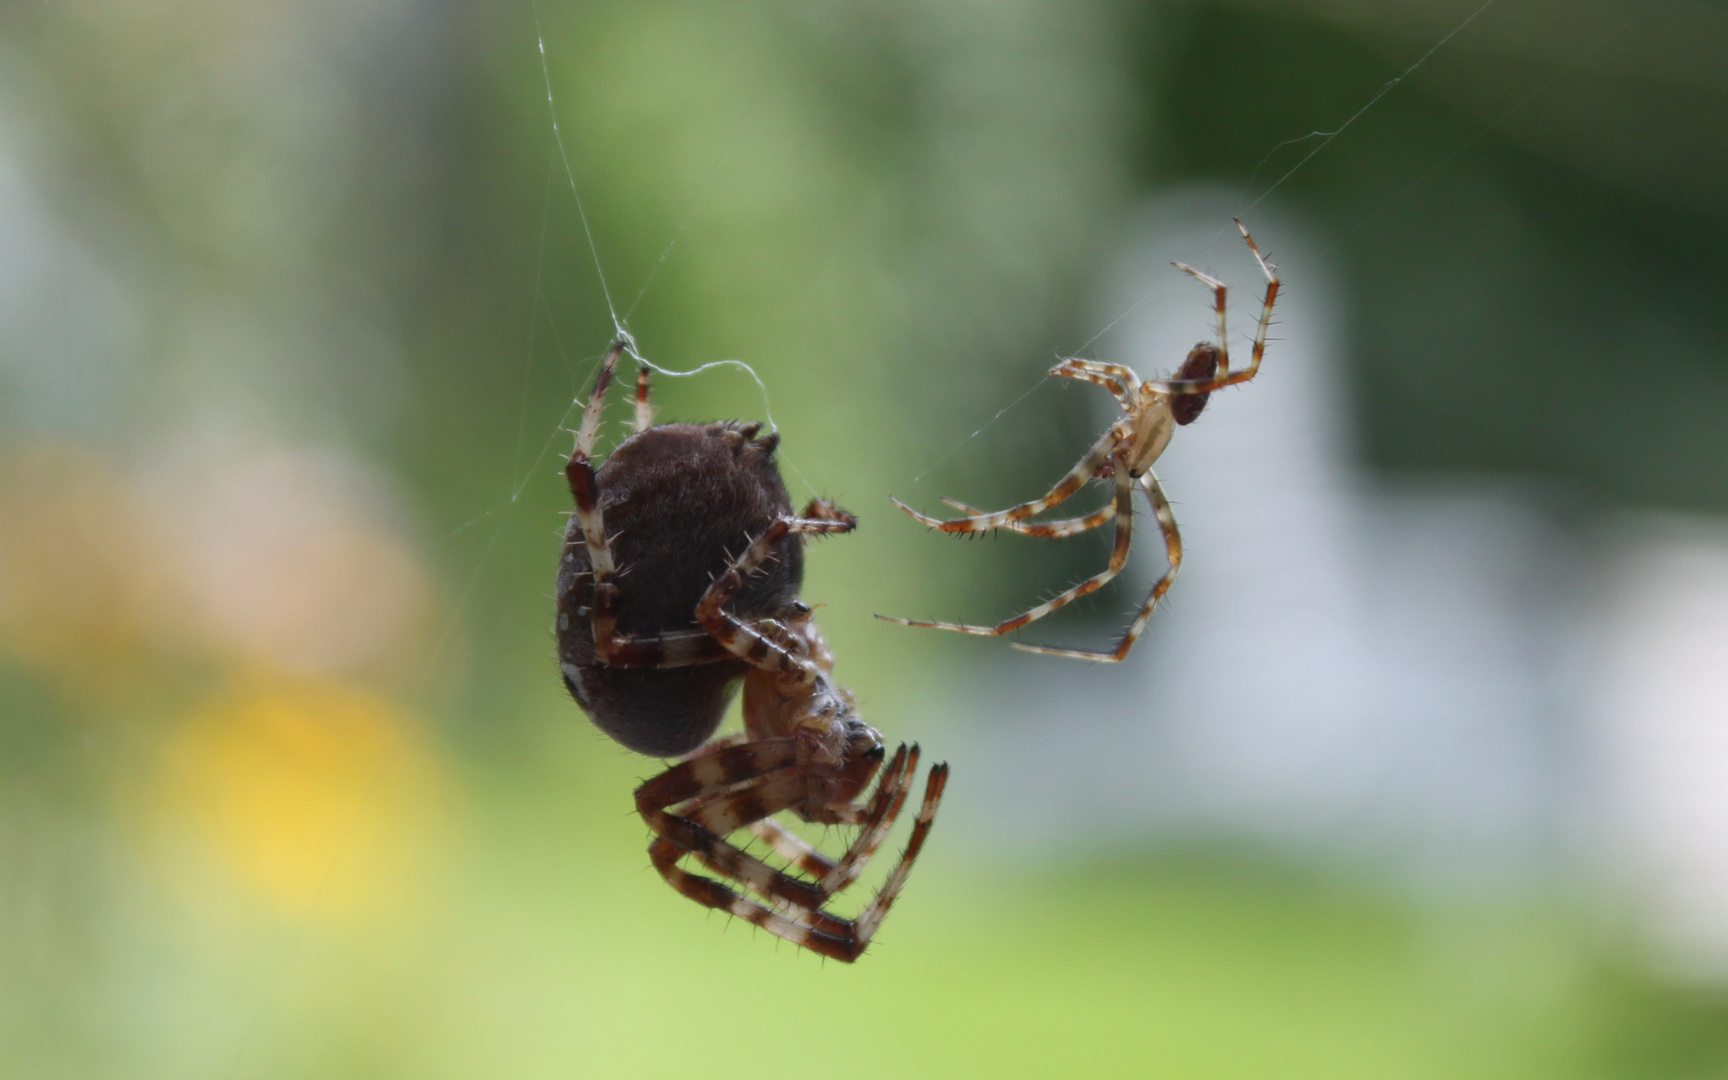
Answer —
680 501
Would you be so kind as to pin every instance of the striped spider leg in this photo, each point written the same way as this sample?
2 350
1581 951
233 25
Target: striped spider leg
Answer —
1126 452
670 649
809 754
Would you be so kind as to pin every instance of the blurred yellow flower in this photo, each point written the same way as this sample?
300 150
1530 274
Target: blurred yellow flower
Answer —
323 799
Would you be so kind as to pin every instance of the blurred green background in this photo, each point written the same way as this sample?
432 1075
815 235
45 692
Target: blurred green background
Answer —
294 300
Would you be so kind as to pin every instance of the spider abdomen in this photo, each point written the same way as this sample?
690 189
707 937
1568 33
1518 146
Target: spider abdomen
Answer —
1202 363
681 501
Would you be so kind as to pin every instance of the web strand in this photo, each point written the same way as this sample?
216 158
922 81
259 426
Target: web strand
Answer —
1357 115
702 189
1496 122
570 173
1326 138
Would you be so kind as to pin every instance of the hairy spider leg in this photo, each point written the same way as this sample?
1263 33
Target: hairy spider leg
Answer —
725 814
1125 386
729 789
679 648
1124 515
580 472
732 792
1226 377
741 636
1122 383
1172 553
700 830
811 928
1076 479
1049 530
816 930
1219 291
896 781
837 874
700 825
793 848
869 919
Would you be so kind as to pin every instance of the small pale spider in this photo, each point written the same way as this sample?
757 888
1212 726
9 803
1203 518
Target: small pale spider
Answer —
1125 452
657 625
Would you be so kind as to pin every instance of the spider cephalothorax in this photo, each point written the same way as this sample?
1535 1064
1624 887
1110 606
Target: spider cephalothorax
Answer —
658 622
1124 454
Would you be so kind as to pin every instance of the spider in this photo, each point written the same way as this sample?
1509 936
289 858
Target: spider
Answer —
1124 453
657 625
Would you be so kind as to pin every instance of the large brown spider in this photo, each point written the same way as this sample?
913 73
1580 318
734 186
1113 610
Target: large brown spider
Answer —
1125 452
657 625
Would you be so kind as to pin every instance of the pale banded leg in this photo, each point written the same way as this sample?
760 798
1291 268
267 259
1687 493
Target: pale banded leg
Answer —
732 798
1219 290
713 771
1049 530
877 909
1172 553
700 828
589 429
884 810
890 792
1118 558
816 930
580 472
741 637
1226 377
674 649
1076 479
1121 382
644 411
1272 286
721 816
793 848
701 832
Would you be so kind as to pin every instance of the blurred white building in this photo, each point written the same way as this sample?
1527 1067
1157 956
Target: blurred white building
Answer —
1430 675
